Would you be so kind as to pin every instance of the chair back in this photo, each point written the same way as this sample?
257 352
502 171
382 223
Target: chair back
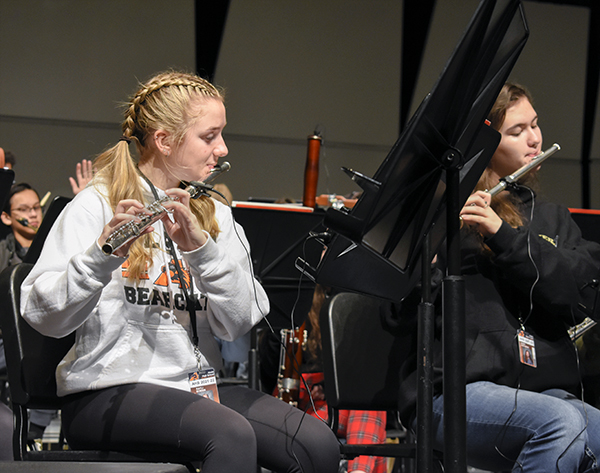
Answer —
50 216
361 360
31 357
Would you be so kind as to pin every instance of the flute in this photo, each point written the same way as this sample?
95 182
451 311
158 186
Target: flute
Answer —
519 173
133 229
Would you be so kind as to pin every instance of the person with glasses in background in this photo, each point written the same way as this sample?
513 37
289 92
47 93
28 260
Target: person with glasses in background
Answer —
22 213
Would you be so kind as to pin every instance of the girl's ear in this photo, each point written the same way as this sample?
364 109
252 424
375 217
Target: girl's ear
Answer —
162 142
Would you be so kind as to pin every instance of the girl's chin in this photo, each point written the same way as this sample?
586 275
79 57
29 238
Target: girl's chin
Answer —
191 178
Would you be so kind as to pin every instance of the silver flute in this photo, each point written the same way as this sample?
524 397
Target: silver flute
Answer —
519 173
133 229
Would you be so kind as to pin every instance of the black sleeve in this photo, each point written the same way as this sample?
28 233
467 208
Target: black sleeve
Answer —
551 256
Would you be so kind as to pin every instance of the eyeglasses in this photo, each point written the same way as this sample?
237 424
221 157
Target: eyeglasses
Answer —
27 210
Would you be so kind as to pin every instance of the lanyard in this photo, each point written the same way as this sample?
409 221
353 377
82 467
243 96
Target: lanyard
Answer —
188 292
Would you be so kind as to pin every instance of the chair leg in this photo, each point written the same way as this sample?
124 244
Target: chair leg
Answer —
19 432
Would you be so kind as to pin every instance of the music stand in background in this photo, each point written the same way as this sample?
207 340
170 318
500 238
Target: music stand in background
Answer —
418 191
277 238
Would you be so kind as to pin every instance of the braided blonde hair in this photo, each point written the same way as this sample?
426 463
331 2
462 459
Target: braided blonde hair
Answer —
162 103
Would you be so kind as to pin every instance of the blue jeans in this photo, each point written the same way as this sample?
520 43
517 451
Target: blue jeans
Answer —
548 432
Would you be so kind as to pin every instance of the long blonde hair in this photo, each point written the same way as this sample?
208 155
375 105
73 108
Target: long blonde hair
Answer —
162 103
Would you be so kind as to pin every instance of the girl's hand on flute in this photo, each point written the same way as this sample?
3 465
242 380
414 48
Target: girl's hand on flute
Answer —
126 210
180 223
477 213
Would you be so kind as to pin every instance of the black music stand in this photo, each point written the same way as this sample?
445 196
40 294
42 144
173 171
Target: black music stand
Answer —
277 238
418 191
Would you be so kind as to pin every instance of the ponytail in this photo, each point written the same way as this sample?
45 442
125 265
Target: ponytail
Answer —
162 103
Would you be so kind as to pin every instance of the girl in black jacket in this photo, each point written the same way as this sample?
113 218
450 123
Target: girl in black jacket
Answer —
525 267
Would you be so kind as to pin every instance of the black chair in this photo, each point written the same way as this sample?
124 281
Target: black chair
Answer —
31 361
361 365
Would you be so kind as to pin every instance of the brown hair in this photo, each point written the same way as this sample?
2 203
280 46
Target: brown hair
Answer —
504 204
162 103
508 96
313 343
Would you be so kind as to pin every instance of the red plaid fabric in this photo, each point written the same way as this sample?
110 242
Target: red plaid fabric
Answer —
357 427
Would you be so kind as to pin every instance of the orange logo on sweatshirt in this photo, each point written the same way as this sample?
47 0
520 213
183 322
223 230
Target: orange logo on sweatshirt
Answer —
125 270
163 278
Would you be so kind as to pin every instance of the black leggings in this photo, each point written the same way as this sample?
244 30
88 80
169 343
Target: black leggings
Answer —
247 428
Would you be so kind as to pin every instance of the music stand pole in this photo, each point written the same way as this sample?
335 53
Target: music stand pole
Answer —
454 377
426 327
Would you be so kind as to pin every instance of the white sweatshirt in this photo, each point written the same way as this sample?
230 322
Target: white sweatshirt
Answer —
126 332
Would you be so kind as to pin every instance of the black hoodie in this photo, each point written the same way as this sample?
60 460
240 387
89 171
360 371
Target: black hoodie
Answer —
547 254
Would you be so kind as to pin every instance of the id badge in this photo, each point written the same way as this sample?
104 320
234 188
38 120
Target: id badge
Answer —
526 348
204 383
